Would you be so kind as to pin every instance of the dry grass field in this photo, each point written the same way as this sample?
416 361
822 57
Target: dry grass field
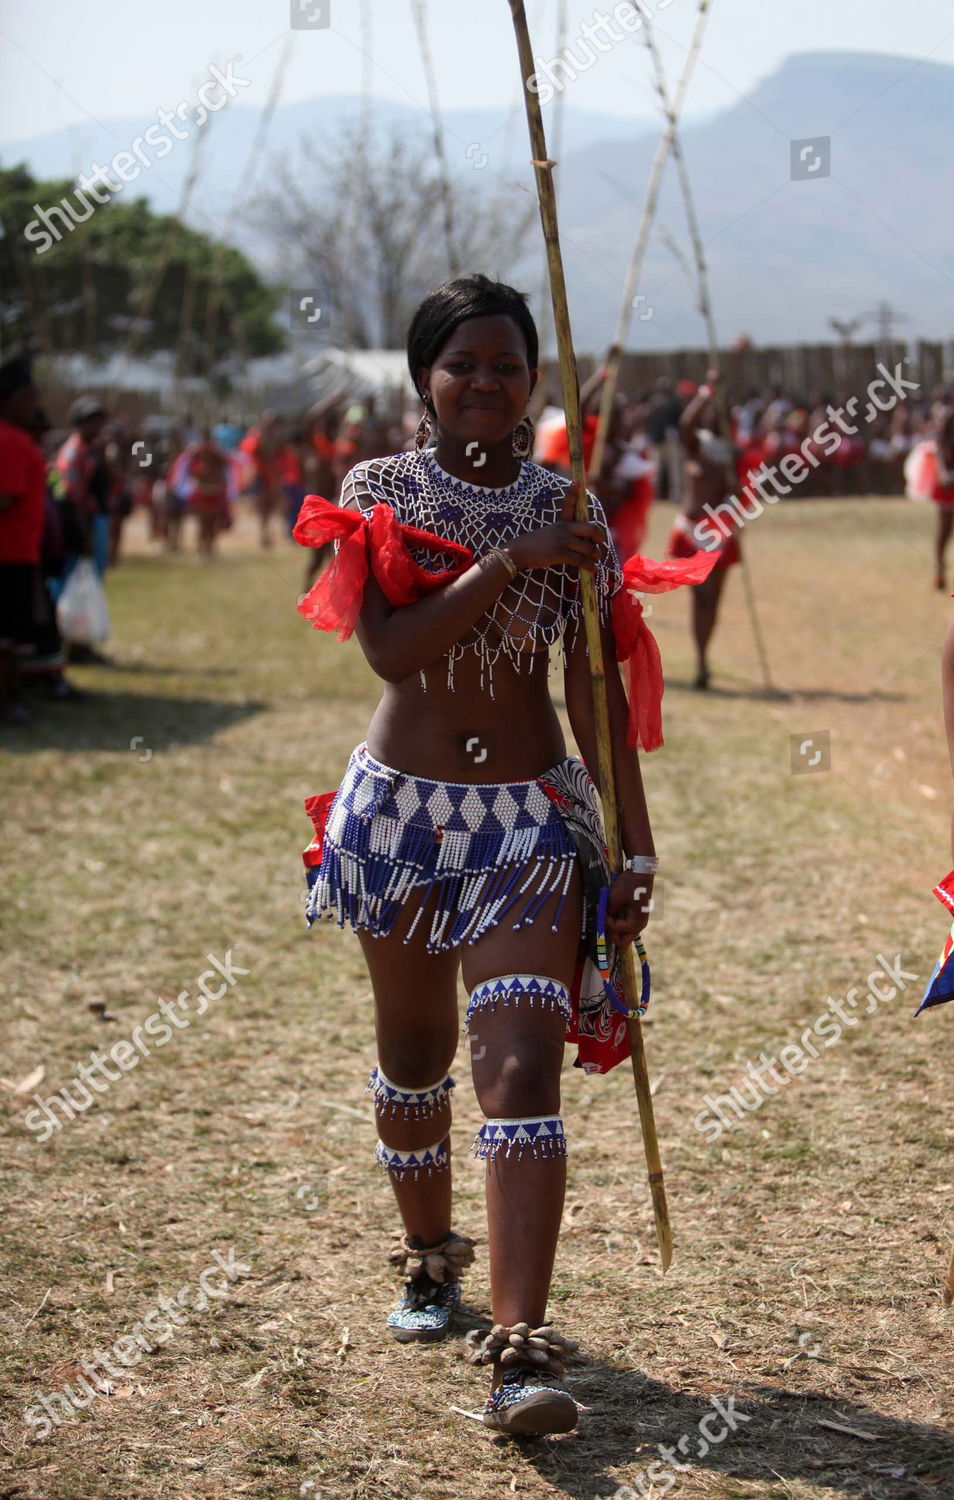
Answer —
162 820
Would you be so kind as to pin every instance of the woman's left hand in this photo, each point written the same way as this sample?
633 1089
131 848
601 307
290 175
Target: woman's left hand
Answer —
629 907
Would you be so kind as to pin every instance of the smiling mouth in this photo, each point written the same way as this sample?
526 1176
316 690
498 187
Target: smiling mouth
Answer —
472 406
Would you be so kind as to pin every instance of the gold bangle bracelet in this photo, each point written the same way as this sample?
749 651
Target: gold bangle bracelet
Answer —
505 558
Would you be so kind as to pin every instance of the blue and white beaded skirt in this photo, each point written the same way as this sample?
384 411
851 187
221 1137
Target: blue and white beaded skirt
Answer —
489 852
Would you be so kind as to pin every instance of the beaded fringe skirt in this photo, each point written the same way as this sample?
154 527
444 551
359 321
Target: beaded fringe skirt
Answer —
489 852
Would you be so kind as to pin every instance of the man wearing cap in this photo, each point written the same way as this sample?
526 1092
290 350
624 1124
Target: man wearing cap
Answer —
22 490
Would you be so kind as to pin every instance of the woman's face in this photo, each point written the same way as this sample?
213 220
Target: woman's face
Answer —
480 382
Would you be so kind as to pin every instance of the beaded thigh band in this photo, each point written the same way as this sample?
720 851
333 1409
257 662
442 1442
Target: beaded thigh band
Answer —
426 1159
508 989
537 1135
416 1104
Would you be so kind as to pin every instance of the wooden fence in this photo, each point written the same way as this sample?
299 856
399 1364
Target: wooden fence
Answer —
805 371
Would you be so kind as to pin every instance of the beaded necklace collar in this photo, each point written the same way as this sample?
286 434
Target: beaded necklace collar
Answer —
541 606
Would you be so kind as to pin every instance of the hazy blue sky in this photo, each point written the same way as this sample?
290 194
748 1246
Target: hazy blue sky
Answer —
61 63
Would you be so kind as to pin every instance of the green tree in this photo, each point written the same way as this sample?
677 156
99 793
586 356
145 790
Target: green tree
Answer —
125 277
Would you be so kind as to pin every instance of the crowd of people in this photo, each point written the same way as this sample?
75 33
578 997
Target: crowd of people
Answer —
690 445
765 427
274 461
67 495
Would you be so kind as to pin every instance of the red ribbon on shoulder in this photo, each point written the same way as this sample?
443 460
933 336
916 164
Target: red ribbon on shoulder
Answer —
374 540
635 643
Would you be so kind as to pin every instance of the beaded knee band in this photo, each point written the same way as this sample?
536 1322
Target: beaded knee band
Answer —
426 1159
508 989
540 1136
417 1104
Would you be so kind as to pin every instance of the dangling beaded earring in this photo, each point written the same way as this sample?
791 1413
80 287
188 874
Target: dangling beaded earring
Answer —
524 438
423 434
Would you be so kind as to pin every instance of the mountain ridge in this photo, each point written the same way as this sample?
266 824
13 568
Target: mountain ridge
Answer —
784 255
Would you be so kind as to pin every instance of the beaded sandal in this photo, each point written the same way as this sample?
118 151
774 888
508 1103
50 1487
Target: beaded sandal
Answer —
525 1400
431 1288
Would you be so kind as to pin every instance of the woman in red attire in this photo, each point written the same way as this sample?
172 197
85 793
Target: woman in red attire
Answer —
471 857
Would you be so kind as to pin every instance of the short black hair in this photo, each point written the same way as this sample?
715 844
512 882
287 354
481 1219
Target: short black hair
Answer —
454 303
15 375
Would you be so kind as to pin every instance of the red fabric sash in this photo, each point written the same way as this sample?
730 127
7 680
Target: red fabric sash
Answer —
636 645
317 809
374 540
378 542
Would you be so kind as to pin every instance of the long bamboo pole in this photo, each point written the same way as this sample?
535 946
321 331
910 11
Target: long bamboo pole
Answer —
571 395
151 288
240 197
447 196
353 208
556 141
615 352
671 112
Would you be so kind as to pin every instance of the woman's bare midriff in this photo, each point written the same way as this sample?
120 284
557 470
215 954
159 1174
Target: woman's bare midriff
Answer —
465 734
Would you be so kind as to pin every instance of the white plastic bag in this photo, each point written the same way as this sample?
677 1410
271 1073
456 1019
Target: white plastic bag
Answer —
81 611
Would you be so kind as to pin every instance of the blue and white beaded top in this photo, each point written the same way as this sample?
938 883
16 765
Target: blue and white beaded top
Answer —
541 606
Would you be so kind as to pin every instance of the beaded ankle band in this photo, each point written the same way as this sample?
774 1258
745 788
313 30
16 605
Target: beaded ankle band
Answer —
540 1136
442 1262
416 1103
521 1345
426 1159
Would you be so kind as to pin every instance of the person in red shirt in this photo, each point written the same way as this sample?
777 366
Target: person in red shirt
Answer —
322 427
22 492
263 444
208 467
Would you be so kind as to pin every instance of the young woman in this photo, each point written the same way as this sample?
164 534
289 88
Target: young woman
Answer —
710 479
207 466
462 837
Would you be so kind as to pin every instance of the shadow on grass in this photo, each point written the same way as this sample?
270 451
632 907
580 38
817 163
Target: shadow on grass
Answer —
775 695
137 724
631 1416
787 695
154 669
